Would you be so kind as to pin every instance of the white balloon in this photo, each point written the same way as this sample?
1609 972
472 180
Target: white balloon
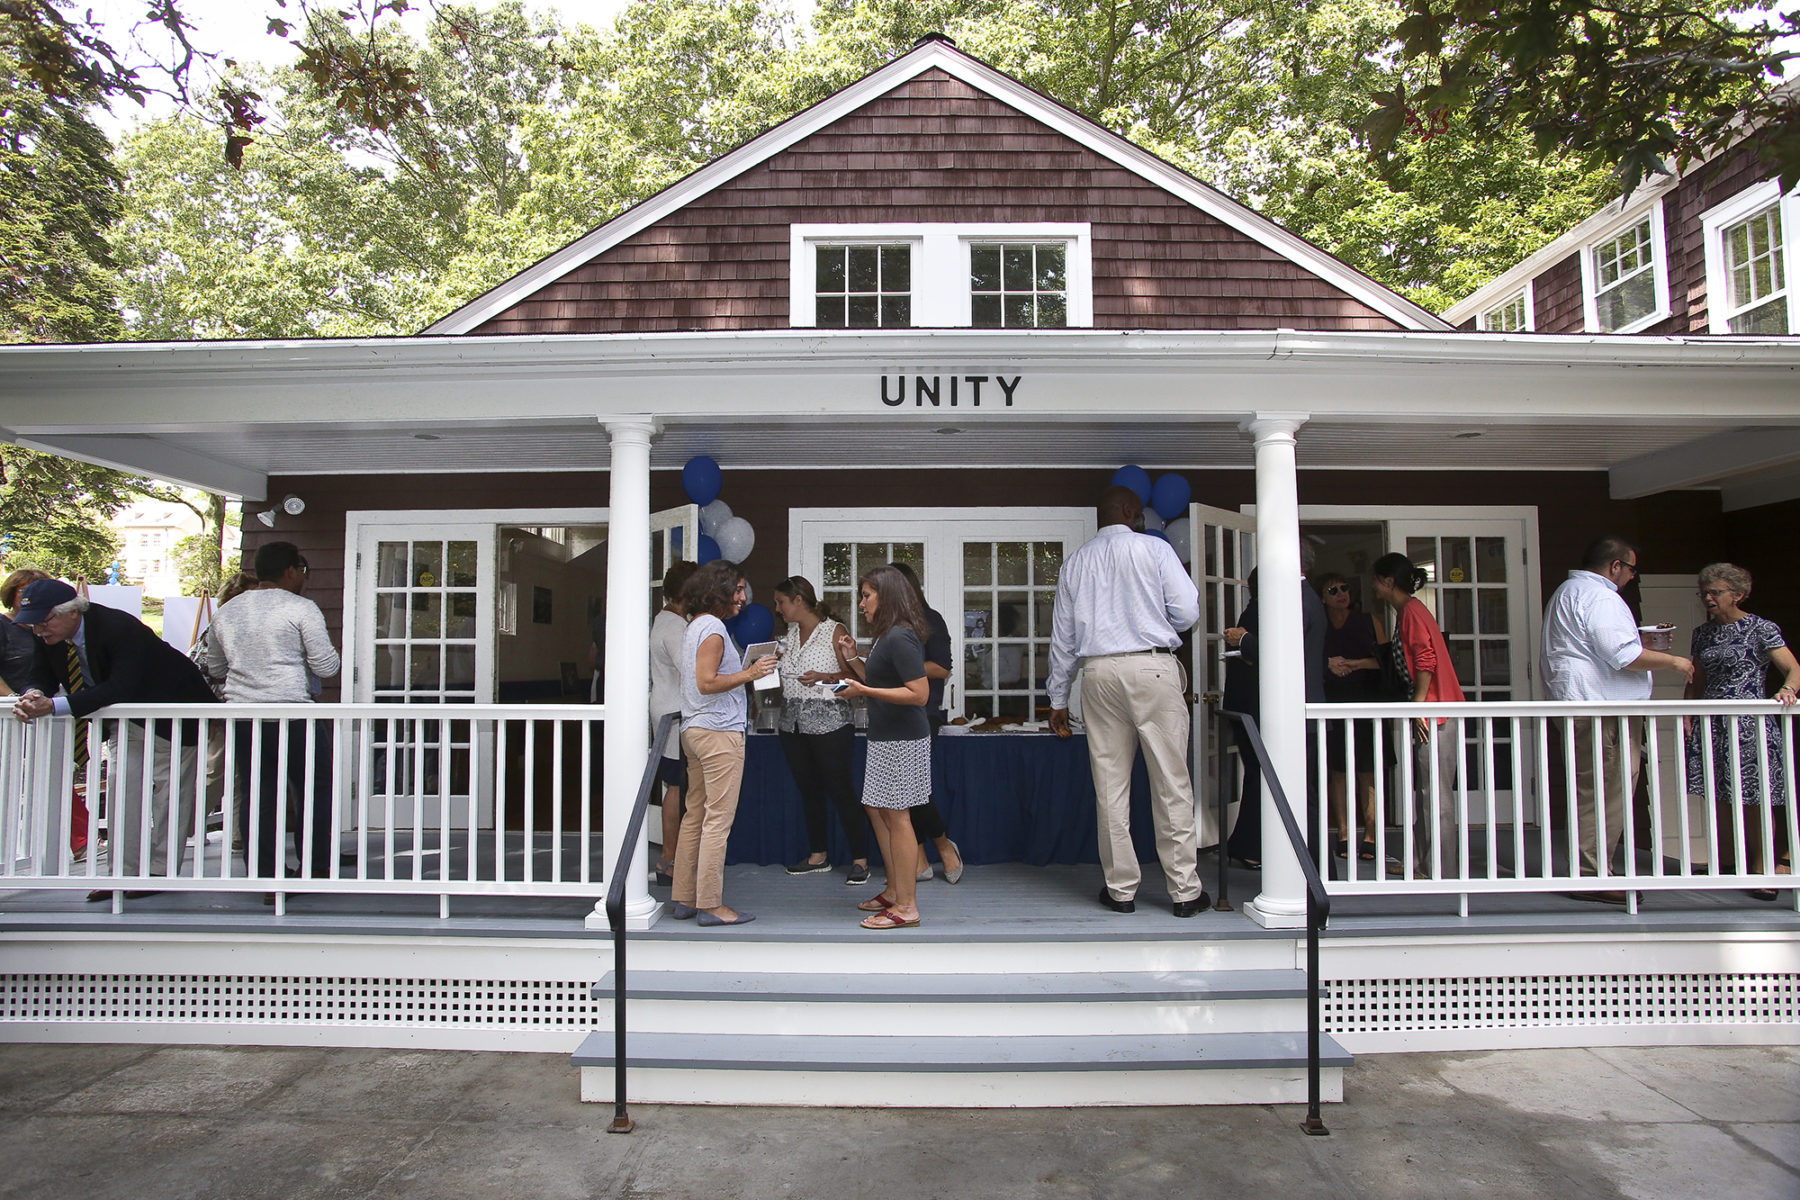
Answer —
1177 533
1152 519
736 539
713 518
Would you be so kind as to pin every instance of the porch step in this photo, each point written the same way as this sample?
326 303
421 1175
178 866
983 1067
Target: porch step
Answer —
999 1005
1022 1039
961 1072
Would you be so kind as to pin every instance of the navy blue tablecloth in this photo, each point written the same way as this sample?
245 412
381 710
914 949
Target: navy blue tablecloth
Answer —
1026 798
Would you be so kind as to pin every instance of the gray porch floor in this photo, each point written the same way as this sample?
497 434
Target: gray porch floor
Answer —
1004 902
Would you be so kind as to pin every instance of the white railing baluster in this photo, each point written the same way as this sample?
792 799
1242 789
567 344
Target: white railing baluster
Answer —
556 803
1653 767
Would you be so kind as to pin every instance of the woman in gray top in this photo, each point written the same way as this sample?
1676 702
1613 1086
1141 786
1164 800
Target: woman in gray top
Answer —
897 776
713 713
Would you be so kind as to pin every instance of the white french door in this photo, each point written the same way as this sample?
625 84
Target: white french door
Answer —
1221 554
992 574
1483 589
422 632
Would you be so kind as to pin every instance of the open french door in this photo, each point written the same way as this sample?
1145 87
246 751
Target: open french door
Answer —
1222 552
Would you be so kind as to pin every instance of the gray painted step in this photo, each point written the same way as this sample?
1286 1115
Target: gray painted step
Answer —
1198 987
1190 1052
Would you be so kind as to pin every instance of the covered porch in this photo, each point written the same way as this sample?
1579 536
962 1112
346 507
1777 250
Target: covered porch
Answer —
1275 407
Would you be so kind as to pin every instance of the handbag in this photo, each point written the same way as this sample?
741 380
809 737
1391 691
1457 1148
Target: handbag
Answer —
1396 682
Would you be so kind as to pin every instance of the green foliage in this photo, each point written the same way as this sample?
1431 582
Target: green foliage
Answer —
53 513
61 192
1637 86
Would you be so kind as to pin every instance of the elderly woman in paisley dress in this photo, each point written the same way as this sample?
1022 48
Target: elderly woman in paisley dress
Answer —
1732 654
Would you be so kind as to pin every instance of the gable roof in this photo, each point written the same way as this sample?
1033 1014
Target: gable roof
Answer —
940 55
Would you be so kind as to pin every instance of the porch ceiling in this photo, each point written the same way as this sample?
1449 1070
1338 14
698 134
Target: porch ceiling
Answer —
226 416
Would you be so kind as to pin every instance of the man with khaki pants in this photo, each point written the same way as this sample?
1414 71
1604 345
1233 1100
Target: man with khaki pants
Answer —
1592 652
1121 604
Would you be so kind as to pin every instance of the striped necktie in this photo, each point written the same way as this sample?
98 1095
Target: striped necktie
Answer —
77 681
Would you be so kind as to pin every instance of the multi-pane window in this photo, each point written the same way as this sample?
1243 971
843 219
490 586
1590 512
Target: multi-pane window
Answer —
1019 285
425 618
863 287
845 563
1009 593
1508 316
1755 276
1625 277
1469 595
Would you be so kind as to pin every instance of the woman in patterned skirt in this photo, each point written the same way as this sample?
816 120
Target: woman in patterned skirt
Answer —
1732 654
897 777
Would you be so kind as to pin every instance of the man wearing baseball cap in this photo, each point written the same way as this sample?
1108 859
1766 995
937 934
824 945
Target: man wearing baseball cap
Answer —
90 656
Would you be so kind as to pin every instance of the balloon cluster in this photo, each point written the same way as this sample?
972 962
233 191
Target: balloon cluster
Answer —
1165 504
724 535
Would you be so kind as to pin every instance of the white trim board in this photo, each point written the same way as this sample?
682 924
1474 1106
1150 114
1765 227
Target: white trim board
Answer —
942 56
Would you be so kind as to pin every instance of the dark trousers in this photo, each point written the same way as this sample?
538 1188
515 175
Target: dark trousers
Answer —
1246 832
269 791
927 821
820 763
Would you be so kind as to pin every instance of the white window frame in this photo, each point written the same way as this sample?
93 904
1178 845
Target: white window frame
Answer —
1721 217
1659 269
940 267
1526 294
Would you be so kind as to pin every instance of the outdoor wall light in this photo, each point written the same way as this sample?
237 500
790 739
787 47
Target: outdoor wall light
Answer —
267 518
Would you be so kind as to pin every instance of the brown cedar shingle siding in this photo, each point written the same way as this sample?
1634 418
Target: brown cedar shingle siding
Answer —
1556 296
1158 262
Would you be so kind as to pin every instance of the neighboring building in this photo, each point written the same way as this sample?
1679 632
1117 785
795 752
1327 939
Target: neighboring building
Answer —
148 532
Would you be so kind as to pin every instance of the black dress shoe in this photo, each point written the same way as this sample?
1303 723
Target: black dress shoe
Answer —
106 894
1119 906
1191 908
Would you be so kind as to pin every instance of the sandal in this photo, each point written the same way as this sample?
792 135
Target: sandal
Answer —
876 904
1340 848
1366 851
888 920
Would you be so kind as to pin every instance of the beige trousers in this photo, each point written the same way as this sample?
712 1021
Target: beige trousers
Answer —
1128 701
169 805
1619 769
715 763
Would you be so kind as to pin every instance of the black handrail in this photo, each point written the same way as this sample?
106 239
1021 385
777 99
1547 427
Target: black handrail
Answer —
1318 911
615 919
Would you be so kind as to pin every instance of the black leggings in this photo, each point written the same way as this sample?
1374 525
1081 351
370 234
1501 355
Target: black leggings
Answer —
820 763
927 821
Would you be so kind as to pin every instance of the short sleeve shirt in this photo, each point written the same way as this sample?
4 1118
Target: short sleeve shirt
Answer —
726 712
897 659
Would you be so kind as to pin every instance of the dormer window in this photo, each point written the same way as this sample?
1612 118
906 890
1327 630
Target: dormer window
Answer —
1625 277
1511 315
981 276
1749 258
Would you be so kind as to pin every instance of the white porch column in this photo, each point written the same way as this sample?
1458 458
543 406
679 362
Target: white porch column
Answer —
1280 667
627 730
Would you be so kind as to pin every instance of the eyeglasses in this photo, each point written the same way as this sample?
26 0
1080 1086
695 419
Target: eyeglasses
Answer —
1632 567
1336 589
1715 593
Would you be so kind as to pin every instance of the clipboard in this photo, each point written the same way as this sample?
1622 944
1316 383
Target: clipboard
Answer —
763 650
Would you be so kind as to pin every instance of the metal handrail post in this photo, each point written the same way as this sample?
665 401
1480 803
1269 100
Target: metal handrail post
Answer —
1318 911
615 919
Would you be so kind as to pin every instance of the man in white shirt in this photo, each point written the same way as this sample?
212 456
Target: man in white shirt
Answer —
270 645
1121 604
1592 652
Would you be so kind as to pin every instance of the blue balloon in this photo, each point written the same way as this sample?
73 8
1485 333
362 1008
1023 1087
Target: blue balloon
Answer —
709 549
754 624
1135 478
1170 497
701 479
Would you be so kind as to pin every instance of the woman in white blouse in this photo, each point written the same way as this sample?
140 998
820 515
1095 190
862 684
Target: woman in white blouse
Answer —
816 734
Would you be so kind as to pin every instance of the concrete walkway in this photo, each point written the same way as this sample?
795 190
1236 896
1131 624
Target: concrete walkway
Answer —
143 1122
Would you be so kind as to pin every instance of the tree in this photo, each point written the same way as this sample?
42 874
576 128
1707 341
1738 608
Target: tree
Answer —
62 191
1637 85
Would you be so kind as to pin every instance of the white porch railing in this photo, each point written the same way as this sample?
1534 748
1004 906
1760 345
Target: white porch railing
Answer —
1503 817
419 799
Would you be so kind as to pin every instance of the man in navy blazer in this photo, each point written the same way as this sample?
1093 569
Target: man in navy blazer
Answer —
121 661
